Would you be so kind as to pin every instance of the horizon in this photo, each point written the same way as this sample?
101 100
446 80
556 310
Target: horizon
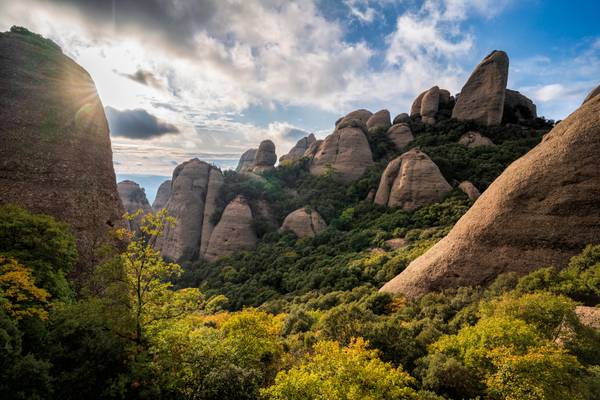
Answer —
212 79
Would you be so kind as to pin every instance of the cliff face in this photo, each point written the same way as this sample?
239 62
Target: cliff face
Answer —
55 152
543 209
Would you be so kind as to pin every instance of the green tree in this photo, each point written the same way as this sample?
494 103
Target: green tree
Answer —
40 243
346 373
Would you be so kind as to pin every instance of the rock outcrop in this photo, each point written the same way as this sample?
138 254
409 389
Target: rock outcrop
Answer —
379 120
401 118
518 108
415 109
430 105
297 152
265 158
411 181
133 198
162 196
361 115
475 139
400 134
482 98
540 211
346 150
234 232
595 92
588 316
313 148
55 151
470 190
247 160
304 223
195 185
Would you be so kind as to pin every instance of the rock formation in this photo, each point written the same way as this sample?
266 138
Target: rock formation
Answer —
470 190
304 223
258 160
430 105
234 232
346 150
133 198
379 120
401 118
415 109
588 316
195 185
361 115
540 211
265 158
517 107
162 196
312 149
595 92
411 181
297 152
482 98
246 163
474 139
55 152
400 134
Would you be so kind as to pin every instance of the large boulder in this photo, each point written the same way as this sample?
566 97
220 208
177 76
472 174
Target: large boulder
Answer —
482 98
430 105
297 152
518 107
475 139
346 150
401 118
415 109
247 161
213 190
379 120
313 149
195 185
55 151
400 134
234 232
162 196
411 181
265 157
542 210
304 223
361 115
470 190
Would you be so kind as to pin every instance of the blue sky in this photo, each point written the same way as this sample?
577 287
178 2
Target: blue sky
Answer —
211 78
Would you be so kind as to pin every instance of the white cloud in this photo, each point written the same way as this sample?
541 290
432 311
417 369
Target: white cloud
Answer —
361 10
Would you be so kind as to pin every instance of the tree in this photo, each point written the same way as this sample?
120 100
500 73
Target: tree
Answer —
346 373
42 244
19 296
148 278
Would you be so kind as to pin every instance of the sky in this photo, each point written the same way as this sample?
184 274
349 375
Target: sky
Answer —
212 78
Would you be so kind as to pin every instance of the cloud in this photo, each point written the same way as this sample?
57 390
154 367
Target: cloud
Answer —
145 78
136 124
361 10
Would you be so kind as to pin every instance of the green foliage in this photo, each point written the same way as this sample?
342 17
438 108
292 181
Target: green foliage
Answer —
35 38
333 372
39 243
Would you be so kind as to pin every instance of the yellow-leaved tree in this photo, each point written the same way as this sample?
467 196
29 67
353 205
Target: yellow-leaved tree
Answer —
19 296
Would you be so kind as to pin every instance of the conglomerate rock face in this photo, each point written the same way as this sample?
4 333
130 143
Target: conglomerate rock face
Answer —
542 210
162 196
304 223
411 181
194 188
234 232
55 151
133 198
482 98
297 152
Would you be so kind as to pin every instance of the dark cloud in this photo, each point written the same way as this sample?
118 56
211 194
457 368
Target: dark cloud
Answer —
175 21
136 124
145 78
